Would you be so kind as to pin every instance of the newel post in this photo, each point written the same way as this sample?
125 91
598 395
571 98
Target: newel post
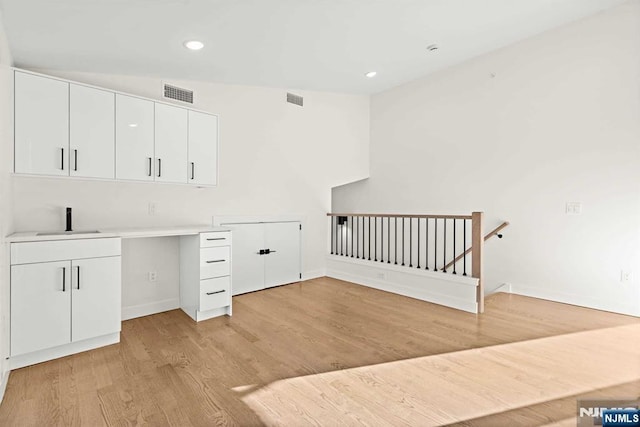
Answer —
477 247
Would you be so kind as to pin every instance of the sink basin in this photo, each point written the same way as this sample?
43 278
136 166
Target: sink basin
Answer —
67 233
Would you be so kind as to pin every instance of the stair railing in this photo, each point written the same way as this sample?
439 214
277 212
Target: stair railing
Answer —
427 242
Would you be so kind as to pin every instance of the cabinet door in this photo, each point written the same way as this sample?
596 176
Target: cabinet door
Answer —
40 306
91 132
282 265
203 148
41 125
95 303
134 138
171 144
247 266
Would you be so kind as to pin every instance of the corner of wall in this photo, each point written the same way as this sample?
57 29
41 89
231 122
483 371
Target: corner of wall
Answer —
6 199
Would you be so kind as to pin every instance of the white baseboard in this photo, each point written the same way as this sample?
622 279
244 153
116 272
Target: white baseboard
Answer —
134 311
3 384
313 274
39 356
505 287
573 299
453 291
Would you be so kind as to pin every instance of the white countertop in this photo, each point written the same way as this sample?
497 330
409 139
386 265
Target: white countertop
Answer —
124 233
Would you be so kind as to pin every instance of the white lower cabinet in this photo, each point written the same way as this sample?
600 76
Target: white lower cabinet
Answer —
95 297
265 255
215 293
40 306
62 297
205 275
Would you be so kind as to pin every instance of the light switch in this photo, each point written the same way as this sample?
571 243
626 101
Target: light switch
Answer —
574 208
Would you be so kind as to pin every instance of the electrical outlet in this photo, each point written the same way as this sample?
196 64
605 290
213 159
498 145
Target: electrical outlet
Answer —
152 208
574 208
625 276
153 276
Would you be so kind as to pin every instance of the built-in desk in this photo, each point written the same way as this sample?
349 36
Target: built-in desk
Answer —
66 288
123 233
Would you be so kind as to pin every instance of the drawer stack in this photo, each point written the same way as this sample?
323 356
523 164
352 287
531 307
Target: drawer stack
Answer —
205 274
215 270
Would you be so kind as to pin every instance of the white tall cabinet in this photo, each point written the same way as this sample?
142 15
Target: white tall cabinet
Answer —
265 255
91 132
41 125
134 138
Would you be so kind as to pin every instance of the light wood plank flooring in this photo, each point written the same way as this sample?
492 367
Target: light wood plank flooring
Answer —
327 352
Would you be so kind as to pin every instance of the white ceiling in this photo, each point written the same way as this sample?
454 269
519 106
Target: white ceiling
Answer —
299 44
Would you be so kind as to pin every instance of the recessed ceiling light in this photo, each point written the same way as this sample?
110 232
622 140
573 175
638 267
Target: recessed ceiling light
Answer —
371 74
193 45
432 47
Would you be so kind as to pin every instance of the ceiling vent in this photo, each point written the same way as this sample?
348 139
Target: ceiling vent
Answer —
294 99
178 94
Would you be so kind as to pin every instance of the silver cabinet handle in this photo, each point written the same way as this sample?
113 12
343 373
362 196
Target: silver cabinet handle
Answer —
150 160
193 170
159 168
78 271
216 260
216 292
218 238
64 279
75 160
62 158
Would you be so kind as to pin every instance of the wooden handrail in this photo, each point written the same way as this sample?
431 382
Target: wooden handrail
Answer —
402 216
494 232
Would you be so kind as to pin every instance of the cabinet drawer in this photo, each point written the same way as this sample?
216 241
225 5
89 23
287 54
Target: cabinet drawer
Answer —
217 238
60 250
214 262
215 293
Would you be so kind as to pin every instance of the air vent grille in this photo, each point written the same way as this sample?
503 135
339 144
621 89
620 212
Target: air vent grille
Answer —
294 99
179 94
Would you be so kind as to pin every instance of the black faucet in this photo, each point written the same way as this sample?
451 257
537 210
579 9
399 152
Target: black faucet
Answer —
68 220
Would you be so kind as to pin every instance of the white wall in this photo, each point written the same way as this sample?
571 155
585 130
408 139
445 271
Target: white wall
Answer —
275 158
517 133
6 227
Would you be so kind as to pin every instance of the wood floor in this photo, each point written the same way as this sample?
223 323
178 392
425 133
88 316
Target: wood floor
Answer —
327 352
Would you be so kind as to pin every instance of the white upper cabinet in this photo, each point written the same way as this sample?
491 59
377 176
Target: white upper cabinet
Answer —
92 134
41 125
171 144
203 148
64 128
134 138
